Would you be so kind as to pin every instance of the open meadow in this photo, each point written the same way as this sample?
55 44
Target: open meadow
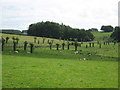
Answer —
87 67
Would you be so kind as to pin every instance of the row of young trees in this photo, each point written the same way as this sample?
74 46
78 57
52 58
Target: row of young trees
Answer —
59 31
76 44
15 43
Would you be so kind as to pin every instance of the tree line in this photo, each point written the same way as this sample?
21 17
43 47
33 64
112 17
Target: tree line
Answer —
59 31
116 34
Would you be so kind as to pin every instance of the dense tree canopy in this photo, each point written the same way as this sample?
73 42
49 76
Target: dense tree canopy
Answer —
116 34
108 28
10 31
93 30
56 30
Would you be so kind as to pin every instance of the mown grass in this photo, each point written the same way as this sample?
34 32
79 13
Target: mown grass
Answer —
58 69
31 72
46 68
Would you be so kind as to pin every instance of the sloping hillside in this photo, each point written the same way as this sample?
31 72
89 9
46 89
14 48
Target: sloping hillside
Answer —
101 36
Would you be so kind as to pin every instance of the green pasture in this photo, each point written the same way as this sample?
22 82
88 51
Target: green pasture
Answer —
92 67
101 36
26 72
29 39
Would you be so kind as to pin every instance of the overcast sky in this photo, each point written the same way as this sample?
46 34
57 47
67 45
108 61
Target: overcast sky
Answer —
19 14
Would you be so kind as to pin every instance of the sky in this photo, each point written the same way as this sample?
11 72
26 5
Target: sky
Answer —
19 14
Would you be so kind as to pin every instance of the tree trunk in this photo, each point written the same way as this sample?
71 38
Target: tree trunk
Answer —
68 46
2 46
50 47
92 44
25 46
14 46
76 47
63 47
31 49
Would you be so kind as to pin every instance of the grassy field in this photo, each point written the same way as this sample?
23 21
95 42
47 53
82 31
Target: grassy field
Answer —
46 68
100 36
29 39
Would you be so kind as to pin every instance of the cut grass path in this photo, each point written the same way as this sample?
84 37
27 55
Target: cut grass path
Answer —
32 72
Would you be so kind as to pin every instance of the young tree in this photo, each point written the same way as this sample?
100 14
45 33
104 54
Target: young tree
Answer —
38 42
7 38
25 45
86 46
80 44
13 38
17 39
14 45
100 45
104 43
57 46
63 44
68 45
76 45
43 40
50 43
31 47
35 38
92 44
98 42
3 42
114 42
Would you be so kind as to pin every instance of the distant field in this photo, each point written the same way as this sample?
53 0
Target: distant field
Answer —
101 36
29 39
92 67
